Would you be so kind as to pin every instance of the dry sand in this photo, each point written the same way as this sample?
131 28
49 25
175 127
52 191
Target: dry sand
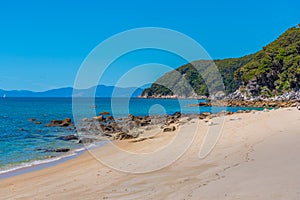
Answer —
257 157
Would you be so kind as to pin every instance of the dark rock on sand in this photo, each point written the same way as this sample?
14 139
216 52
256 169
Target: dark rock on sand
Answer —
173 118
205 115
177 115
169 129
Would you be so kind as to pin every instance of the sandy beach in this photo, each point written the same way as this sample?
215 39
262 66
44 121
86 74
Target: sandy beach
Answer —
257 157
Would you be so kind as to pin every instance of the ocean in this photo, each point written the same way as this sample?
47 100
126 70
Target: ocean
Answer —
21 138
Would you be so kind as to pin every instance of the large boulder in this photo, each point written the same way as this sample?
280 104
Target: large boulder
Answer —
205 115
177 115
204 104
104 113
173 118
140 121
169 129
122 136
63 123
100 118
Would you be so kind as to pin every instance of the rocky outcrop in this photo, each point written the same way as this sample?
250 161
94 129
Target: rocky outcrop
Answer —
171 121
104 113
62 123
140 121
205 115
100 118
124 128
122 136
239 99
260 103
246 96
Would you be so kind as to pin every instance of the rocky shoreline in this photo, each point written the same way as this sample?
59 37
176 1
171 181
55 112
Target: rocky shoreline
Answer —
106 127
251 143
251 103
242 99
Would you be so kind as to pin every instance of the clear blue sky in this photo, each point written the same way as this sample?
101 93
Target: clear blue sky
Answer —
43 42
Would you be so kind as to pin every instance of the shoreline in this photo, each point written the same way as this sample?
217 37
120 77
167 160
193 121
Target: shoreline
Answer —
247 153
35 165
27 167
44 163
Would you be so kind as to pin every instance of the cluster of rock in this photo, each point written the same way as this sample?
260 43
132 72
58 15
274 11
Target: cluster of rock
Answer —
105 125
250 103
239 99
171 122
62 123
288 96
262 103
288 99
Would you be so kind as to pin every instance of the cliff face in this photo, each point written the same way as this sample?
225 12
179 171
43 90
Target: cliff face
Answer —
272 71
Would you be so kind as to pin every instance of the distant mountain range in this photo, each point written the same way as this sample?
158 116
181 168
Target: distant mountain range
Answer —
271 71
99 91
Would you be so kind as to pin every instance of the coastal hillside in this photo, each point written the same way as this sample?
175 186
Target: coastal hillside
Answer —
275 69
272 71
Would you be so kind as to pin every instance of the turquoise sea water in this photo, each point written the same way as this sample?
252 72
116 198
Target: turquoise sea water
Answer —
20 138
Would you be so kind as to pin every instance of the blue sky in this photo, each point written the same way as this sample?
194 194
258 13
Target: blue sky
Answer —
43 43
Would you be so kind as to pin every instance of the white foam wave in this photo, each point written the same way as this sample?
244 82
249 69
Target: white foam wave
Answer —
40 162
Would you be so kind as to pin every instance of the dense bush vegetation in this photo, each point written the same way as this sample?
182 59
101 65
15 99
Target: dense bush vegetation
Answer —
273 70
276 68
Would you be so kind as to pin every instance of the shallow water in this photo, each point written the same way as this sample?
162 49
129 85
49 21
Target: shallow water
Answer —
20 138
